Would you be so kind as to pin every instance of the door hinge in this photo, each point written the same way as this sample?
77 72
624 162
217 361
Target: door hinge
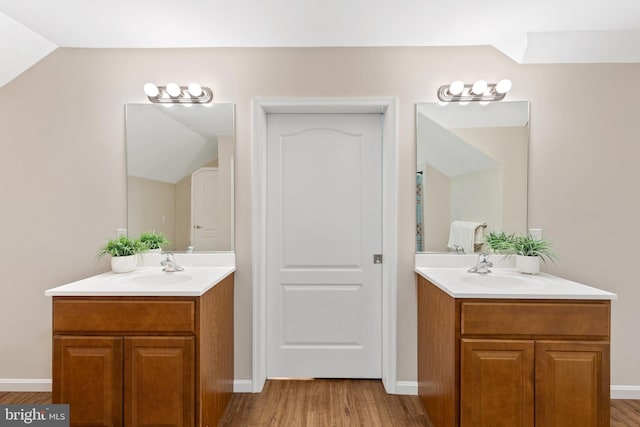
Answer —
377 258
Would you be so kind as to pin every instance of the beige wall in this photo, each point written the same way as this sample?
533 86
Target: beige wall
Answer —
477 197
508 146
225 169
63 175
183 214
436 208
151 206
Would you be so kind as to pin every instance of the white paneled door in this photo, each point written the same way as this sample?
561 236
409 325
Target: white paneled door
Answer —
209 213
324 226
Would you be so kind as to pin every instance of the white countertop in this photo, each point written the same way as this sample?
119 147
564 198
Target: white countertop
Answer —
147 281
508 283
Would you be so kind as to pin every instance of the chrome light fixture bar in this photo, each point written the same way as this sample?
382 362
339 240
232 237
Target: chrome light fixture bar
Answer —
478 91
174 94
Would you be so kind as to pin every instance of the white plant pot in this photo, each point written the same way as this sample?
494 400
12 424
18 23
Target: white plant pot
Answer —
123 264
150 258
528 264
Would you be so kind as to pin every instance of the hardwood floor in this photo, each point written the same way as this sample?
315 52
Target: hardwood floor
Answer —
331 403
11 398
324 403
625 413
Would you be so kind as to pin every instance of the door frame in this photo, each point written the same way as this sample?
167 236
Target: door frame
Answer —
385 106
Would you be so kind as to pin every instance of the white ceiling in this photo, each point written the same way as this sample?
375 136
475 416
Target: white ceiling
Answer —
529 31
439 144
167 144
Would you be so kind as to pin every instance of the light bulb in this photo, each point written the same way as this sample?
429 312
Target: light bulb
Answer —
173 90
479 87
503 86
195 90
456 88
151 90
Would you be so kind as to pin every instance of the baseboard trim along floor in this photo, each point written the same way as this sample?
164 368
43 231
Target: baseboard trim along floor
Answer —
242 386
245 386
625 392
25 384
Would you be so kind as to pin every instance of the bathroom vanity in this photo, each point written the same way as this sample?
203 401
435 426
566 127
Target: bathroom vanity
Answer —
506 349
145 348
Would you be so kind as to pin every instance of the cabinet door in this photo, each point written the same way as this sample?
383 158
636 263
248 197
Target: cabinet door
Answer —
496 383
87 374
159 381
572 384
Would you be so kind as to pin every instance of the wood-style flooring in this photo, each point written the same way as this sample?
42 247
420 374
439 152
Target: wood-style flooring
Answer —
324 403
13 398
320 403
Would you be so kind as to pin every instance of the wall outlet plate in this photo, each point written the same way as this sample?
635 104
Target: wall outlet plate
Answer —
121 232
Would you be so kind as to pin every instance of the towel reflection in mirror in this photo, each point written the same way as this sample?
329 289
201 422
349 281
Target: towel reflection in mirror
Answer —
466 236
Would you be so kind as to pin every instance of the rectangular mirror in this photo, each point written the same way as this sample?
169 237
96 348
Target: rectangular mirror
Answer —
471 169
180 174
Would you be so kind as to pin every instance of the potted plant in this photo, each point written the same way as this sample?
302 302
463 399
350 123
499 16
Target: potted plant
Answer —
153 241
527 249
123 252
500 242
152 253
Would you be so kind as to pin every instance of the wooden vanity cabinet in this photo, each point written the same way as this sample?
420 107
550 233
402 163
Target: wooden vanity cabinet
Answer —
87 374
512 363
144 361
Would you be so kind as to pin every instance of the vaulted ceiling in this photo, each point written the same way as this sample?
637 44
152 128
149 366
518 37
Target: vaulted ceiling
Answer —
528 31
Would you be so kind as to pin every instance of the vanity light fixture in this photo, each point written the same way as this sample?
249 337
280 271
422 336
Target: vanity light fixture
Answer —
172 93
478 91
173 90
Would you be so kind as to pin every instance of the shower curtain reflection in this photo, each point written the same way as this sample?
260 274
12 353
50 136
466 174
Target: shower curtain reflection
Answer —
419 215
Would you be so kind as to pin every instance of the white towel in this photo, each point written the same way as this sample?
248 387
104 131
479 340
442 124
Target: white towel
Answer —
464 234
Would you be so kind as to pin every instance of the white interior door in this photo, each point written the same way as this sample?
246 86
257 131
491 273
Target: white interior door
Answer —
210 225
324 187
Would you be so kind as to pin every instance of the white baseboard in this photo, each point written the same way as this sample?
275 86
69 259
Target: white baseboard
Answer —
26 385
617 391
44 385
246 386
242 386
407 387
625 392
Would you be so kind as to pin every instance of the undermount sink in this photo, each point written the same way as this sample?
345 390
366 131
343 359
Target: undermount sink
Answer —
505 281
147 278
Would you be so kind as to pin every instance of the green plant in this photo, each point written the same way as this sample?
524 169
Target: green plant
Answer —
512 244
122 246
528 246
500 242
153 240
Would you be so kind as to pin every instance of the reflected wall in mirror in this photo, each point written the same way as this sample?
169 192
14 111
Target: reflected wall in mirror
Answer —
180 174
472 170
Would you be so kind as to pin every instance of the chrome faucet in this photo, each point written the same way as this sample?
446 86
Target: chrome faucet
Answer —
482 265
169 263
